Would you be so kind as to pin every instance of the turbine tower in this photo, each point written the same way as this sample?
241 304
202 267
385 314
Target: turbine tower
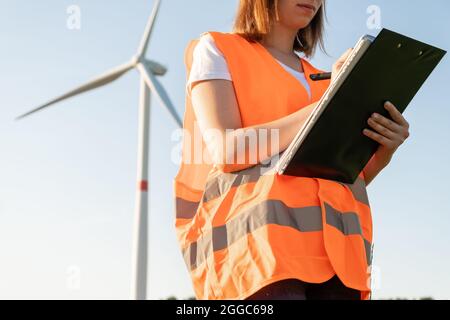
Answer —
148 71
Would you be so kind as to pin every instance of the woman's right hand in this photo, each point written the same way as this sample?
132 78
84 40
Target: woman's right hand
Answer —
339 63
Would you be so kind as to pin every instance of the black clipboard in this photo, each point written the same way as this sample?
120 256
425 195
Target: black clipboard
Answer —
393 68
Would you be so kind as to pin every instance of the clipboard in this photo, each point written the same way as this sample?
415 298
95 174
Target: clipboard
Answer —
331 145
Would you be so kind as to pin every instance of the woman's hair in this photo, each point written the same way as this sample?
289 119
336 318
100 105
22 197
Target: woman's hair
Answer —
255 17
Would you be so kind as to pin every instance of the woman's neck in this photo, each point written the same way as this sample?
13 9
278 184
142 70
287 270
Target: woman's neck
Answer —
280 39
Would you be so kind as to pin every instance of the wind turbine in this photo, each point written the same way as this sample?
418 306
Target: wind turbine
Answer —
148 71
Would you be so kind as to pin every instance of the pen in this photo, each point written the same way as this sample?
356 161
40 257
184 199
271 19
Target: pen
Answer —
320 76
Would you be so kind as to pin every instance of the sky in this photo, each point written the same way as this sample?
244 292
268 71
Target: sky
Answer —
68 174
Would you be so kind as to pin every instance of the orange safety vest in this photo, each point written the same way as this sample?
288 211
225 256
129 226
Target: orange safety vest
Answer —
240 231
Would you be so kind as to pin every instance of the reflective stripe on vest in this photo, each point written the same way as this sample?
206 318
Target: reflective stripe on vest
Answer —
304 219
223 183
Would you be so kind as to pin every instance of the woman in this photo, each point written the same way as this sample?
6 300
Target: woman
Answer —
249 235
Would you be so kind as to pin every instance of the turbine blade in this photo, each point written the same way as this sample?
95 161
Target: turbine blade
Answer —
148 30
157 88
93 84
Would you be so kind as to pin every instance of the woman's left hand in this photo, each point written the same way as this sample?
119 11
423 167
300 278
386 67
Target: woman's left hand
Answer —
389 134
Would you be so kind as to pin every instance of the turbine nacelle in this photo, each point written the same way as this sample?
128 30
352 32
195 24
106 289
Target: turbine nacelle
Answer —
156 68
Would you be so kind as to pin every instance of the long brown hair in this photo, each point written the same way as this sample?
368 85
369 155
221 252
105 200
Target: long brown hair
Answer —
255 17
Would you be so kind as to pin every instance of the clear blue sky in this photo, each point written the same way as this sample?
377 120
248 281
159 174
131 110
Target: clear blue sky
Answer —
67 175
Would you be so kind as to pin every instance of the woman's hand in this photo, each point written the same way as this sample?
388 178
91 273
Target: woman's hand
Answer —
389 134
339 63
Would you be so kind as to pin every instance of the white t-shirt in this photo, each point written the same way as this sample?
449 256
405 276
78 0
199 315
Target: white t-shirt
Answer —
209 63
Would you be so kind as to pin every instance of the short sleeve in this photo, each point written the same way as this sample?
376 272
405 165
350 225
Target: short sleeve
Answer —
208 62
